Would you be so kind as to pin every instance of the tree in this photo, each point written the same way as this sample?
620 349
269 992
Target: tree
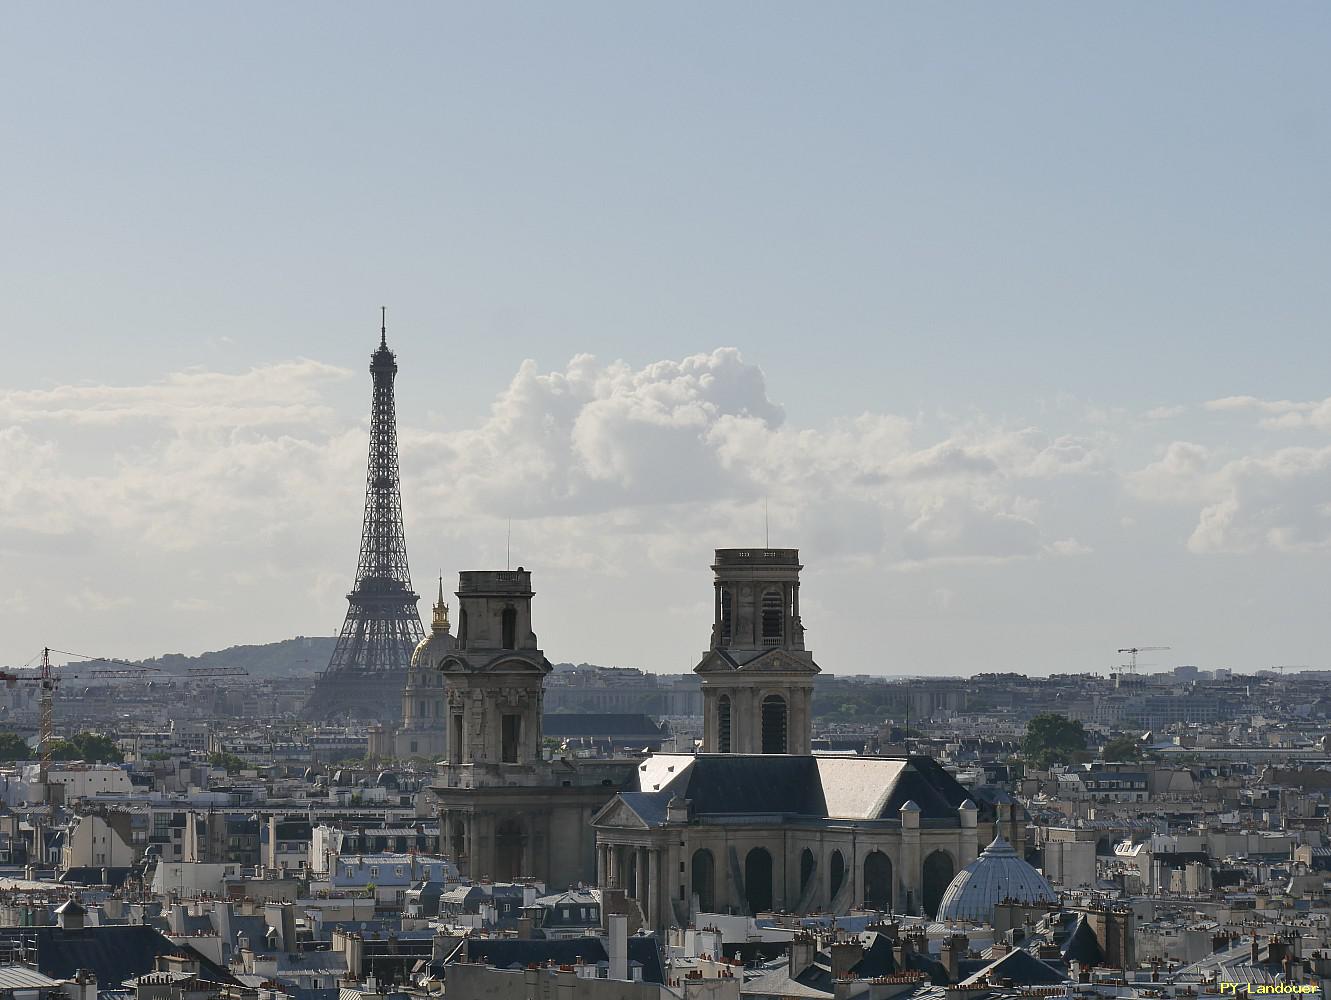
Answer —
1122 747
228 761
96 748
14 747
1052 739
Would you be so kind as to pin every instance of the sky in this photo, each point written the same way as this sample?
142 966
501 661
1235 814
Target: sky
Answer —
1012 316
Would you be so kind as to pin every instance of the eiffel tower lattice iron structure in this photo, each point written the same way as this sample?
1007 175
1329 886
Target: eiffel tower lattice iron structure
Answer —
368 668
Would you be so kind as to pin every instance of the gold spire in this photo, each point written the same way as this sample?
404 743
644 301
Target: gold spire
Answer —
440 622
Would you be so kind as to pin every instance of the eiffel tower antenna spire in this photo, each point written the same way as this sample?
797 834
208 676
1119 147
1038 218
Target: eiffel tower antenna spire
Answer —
368 668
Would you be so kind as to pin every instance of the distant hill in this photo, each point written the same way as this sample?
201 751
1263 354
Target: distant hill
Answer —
301 656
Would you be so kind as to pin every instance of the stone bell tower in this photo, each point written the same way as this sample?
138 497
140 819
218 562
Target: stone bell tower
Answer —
757 678
505 811
493 675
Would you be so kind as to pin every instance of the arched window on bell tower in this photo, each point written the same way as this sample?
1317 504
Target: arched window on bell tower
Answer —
508 623
727 616
723 724
773 618
774 724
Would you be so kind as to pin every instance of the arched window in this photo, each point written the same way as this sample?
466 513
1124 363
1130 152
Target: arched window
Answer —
704 877
509 624
723 724
774 724
837 875
878 881
727 616
938 873
459 840
462 627
509 838
773 617
806 870
758 880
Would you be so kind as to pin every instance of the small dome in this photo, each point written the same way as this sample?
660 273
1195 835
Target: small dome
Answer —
438 642
996 875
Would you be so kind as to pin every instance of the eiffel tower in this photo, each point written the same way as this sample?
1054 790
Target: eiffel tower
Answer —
368 670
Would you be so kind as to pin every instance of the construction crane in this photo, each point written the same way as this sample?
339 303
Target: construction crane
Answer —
48 678
1134 650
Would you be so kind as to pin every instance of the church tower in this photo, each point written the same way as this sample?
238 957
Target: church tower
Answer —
757 678
494 673
504 810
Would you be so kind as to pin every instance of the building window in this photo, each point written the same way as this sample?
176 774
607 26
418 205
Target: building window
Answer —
703 878
727 616
510 737
723 724
509 626
774 724
773 618
374 871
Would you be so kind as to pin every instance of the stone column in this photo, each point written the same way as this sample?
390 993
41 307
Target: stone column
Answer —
909 875
600 865
652 904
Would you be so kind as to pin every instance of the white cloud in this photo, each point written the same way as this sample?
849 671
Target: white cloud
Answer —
240 494
1178 476
1280 501
1280 414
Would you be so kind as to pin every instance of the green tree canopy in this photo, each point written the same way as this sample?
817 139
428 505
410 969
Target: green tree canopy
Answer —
1052 739
95 748
14 747
229 761
1122 747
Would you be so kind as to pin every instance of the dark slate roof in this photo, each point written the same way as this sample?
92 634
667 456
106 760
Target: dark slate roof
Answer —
1082 946
88 875
563 725
504 953
113 953
727 784
813 786
1023 968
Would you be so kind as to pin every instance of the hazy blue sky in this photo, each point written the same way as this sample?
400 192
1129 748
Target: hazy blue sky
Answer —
1028 306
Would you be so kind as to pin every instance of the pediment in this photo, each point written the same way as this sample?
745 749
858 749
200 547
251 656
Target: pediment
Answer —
619 814
508 663
780 661
715 662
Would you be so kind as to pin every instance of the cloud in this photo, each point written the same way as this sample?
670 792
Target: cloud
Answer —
1178 476
286 394
1281 414
703 435
951 529
1165 412
204 490
1280 501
